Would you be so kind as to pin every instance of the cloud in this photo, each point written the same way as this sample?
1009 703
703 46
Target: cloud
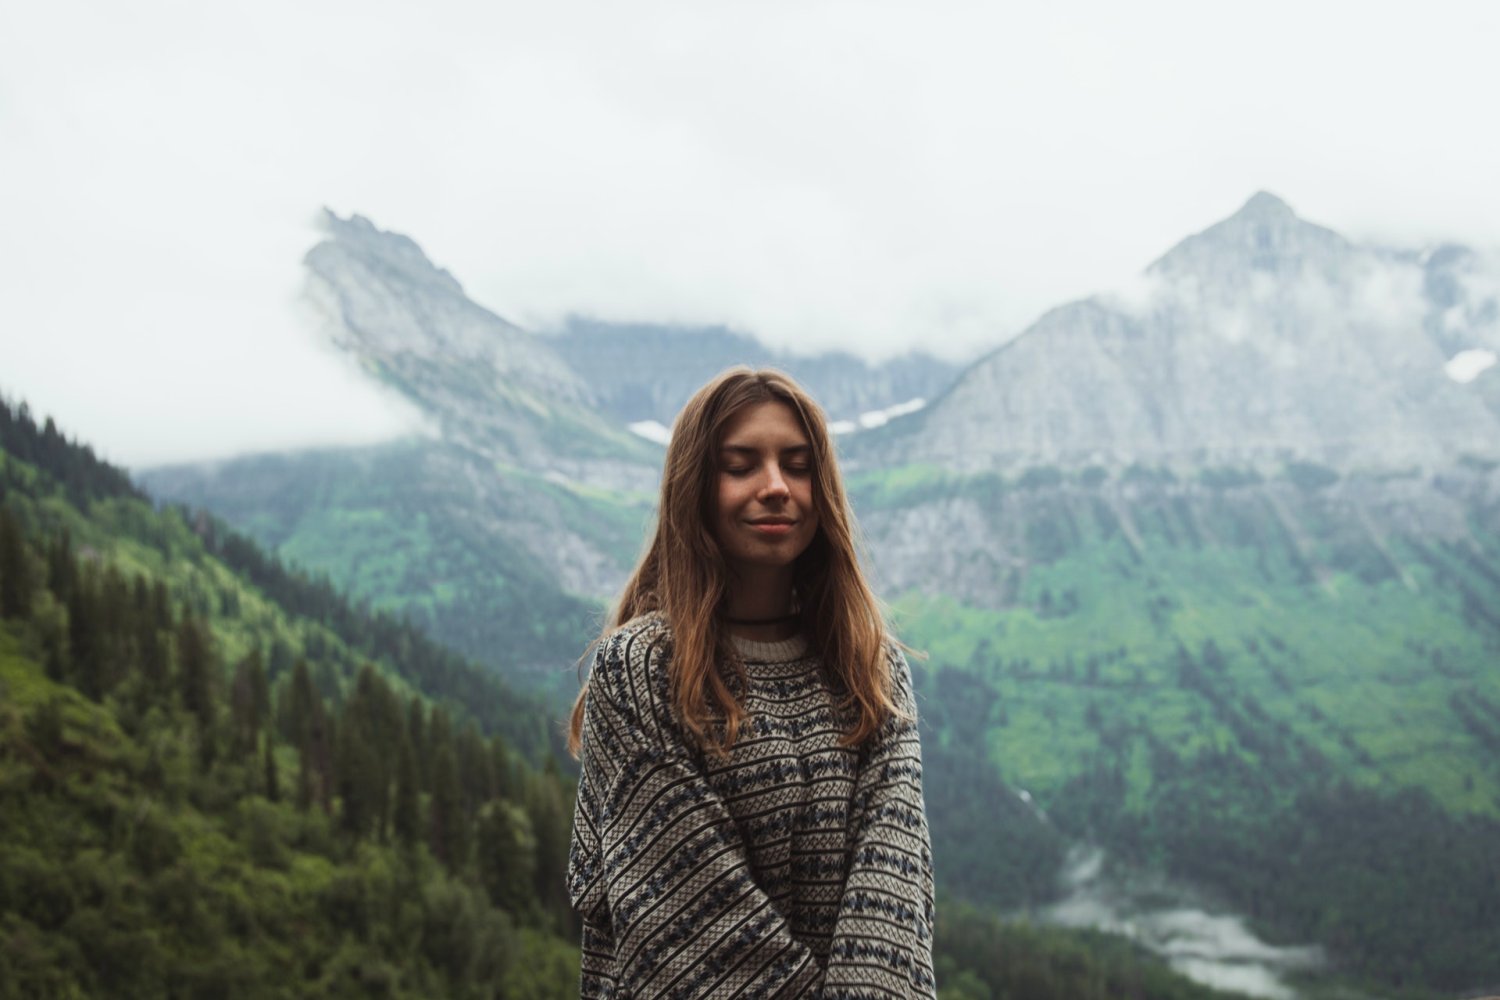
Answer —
873 176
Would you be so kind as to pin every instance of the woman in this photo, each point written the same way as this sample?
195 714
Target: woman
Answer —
749 818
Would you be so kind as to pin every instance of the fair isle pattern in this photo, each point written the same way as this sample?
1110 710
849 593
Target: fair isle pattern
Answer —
793 867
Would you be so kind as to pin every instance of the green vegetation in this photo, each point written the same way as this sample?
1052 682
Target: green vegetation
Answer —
219 779
1247 691
398 530
204 792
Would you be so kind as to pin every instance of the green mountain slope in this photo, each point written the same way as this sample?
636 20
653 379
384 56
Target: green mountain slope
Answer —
1241 685
421 529
218 779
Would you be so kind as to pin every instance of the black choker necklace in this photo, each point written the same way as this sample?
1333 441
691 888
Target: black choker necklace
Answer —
794 616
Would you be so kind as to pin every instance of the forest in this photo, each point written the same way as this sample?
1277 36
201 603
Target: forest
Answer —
218 778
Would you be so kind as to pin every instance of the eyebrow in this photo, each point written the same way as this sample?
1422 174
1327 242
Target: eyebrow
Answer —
745 449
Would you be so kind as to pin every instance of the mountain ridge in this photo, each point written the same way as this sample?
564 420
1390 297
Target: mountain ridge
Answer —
1261 339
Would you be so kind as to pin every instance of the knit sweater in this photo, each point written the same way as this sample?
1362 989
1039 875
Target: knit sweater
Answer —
793 867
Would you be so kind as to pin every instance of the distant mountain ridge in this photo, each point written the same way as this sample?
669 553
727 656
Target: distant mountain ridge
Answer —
1262 339
642 371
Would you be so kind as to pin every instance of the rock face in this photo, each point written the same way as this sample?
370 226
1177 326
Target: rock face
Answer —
1260 340
645 372
491 387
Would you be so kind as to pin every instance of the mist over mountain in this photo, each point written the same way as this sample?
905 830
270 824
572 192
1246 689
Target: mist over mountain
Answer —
1263 339
493 388
647 372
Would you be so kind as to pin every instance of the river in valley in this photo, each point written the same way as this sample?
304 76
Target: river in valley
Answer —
1202 942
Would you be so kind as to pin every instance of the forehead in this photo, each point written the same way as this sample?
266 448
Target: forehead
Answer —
772 423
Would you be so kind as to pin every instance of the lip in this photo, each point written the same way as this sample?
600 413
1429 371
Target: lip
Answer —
772 526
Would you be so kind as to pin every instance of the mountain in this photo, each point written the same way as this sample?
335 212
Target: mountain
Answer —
218 778
642 372
1205 571
1263 339
502 563
504 531
492 388
1210 570
501 532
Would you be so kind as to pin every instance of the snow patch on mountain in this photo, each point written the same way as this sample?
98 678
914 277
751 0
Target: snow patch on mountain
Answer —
871 419
1465 366
652 430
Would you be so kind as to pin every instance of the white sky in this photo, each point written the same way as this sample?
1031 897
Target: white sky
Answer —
862 174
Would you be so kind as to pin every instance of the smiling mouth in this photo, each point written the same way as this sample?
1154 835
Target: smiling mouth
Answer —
774 527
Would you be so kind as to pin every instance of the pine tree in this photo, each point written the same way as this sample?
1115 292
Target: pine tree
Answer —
296 721
195 669
248 696
406 818
416 733
505 854
62 568
351 770
84 642
271 779
15 573
447 828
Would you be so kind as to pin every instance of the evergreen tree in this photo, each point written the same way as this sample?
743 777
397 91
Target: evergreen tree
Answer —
552 822
352 775
406 818
15 573
416 732
195 669
447 828
248 699
301 702
62 569
271 779
151 650
505 854
85 648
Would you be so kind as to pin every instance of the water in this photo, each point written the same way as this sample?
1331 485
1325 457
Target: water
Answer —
1212 948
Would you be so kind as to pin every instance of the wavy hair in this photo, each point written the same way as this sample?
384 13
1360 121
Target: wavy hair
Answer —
683 575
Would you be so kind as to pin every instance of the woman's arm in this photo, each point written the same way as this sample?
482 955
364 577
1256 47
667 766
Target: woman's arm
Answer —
657 866
882 943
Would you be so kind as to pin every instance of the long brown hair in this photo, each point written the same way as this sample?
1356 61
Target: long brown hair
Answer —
683 574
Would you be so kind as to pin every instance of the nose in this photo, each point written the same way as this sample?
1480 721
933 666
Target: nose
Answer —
775 483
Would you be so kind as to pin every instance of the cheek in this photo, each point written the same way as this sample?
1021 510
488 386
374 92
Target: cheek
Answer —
728 500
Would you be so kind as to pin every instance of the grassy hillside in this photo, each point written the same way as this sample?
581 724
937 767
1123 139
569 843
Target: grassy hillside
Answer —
1242 692
406 529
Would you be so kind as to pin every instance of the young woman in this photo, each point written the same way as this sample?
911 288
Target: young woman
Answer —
749 818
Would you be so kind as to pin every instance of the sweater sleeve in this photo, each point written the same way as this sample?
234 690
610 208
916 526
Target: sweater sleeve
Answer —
882 943
656 866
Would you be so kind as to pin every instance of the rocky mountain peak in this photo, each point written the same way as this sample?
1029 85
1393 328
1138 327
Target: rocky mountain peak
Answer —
361 238
493 388
1265 207
1264 236
1262 339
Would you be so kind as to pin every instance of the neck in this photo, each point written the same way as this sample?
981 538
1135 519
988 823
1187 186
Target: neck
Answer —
761 595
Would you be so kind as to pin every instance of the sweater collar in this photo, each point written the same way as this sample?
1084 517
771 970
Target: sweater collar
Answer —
781 651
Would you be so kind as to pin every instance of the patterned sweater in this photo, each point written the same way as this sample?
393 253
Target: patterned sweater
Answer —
792 868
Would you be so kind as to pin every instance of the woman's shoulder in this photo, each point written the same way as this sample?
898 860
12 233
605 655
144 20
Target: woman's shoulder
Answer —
633 654
903 689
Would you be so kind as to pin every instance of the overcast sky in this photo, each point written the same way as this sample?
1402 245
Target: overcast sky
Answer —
867 175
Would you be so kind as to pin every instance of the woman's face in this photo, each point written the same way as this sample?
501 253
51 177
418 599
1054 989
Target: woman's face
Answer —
764 518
